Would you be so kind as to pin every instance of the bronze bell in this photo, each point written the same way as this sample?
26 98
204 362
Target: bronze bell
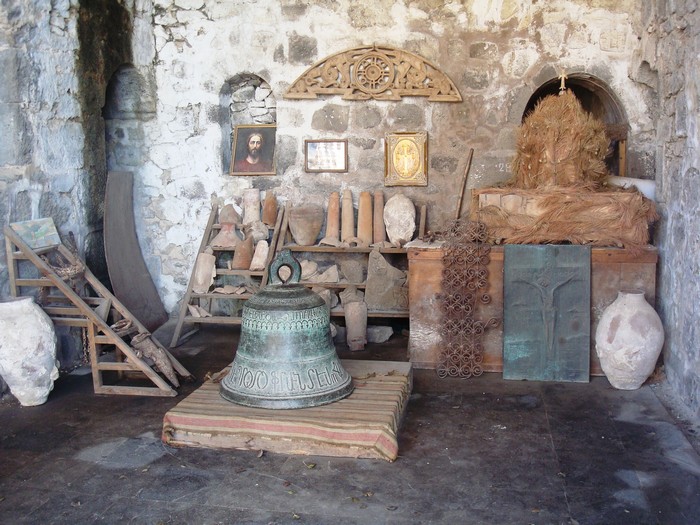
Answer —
285 356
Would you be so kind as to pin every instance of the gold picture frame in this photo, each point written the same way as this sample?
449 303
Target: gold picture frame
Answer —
262 161
406 159
326 155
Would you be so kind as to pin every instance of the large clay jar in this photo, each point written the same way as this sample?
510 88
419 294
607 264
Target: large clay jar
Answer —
27 350
305 223
628 340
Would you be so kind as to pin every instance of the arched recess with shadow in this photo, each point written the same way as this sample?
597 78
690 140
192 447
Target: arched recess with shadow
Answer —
597 98
244 99
129 104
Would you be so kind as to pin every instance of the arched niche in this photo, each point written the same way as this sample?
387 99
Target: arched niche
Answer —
597 98
246 98
128 104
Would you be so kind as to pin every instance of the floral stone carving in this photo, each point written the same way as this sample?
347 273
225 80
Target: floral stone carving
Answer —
374 72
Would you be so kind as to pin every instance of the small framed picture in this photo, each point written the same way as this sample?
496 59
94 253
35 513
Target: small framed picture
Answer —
406 159
253 150
326 156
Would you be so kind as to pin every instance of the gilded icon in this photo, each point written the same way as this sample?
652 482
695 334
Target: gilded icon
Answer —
406 158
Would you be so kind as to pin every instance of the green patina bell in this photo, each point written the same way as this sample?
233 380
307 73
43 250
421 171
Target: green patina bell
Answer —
285 357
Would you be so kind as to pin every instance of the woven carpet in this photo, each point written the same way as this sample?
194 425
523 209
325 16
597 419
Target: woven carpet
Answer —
363 425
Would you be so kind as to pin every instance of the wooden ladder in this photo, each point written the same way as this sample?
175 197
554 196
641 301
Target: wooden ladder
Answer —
184 318
69 308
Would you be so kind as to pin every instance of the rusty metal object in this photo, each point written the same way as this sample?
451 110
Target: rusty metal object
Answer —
464 285
285 356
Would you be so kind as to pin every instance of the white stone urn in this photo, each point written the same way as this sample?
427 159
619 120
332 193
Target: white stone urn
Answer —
27 350
628 340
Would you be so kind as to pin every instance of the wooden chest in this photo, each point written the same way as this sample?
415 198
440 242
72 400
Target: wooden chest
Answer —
612 269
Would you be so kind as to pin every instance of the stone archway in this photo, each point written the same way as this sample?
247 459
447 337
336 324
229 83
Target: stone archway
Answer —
246 98
597 98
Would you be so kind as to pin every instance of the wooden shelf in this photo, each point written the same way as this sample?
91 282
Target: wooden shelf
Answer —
212 295
259 280
337 286
333 249
244 273
214 319
399 314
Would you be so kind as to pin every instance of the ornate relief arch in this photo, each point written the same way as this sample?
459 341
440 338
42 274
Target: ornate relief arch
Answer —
374 72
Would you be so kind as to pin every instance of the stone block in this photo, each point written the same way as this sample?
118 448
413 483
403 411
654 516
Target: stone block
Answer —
331 117
483 50
302 49
9 91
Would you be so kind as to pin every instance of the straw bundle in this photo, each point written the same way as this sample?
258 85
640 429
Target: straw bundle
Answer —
554 215
560 144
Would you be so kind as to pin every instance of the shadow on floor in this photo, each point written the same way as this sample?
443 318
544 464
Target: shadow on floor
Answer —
477 451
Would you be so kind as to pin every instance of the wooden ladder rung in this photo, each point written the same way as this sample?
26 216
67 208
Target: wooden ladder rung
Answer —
113 365
70 321
42 282
61 310
134 391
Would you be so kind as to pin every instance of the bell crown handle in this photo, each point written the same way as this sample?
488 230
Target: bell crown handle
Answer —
285 258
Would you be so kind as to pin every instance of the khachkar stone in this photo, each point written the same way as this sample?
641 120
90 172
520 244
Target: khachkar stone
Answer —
378 231
348 218
332 237
399 219
364 218
386 285
251 205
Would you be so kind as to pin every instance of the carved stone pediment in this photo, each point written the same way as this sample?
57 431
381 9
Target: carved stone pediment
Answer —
374 72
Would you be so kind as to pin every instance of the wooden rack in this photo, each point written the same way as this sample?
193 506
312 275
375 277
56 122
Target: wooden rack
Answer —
260 277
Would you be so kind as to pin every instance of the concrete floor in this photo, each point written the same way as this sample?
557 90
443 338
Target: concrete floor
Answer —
477 451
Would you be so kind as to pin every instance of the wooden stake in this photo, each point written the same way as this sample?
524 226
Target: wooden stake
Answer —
464 183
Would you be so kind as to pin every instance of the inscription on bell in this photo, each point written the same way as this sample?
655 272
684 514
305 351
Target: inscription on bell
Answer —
298 320
283 382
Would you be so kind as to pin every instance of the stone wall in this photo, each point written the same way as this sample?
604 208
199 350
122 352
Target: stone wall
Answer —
496 53
672 48
169 77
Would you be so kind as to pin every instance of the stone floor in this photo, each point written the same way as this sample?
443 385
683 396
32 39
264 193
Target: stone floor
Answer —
478 451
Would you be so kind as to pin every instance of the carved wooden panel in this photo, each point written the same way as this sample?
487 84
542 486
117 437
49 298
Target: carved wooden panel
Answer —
546 312
373 72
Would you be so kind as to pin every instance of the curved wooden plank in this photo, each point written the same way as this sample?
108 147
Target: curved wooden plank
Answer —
131 282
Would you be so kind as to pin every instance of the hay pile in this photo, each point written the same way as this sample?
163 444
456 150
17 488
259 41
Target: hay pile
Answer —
558 192
560 144
556 215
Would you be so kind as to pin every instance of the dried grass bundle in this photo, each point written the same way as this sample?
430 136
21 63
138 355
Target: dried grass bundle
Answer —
560 144
555 215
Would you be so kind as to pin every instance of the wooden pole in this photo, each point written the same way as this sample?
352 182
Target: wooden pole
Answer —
464 183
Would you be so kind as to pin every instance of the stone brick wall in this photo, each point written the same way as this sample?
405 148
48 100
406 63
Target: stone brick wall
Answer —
165 75
673 42
496 53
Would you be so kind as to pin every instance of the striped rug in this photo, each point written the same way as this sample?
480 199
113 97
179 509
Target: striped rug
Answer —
363 425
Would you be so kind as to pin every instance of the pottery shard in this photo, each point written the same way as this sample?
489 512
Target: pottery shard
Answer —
379 334
269 213
259 260
204 273
331 275
308 269
258 229
386 285
352 270
350 295
399 219
229 215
